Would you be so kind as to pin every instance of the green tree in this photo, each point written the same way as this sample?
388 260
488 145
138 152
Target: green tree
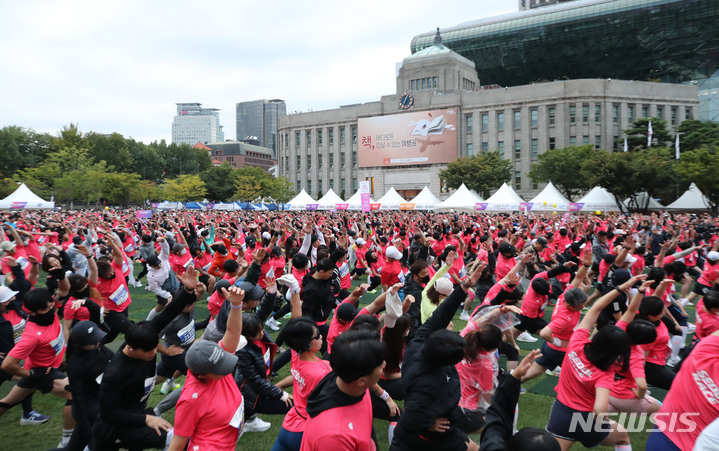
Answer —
187 187
565 169
112 149
125 188
483 172
699 166
220 182
637 135
247 188
695 134
280 190
21 148
145 160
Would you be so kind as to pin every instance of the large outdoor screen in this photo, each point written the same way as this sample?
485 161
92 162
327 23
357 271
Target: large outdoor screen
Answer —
422 137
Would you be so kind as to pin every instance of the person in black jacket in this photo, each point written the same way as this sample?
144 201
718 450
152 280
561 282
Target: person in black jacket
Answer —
130 377
432 383
497 432
318 300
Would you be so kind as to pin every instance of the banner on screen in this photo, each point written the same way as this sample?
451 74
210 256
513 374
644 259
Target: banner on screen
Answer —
422 137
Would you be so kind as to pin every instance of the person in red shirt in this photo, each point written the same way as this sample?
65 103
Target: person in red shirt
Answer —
340 409
210 411
586 380
16 250
112 286
707 314
392 268
709 277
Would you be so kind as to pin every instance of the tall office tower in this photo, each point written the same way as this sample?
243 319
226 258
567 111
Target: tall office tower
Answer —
257 121
194 124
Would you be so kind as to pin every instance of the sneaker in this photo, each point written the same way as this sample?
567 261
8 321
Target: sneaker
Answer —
464 316
169 386
672 362
272 324
554 372
138 284
66 435
372 291
526 338
33 418
256 425
691 328
522 390
684 302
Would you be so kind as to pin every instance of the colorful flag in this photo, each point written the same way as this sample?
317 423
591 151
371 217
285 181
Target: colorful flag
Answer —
649 134
676 147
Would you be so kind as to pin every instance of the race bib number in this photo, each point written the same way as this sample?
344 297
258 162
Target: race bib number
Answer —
129 248
207 267
462 272
125 268
22 261
58 344
187 334
120 295
400 276
19 328
41 240
344 270
187 263
271 272
149 385
238 419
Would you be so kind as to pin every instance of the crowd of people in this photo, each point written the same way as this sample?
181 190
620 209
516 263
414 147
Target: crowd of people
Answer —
618 285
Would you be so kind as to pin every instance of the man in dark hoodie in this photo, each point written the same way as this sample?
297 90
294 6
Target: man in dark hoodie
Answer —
340 408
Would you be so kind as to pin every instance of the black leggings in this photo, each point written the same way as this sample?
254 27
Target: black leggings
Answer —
255 403
117 322
658 375
509 351
374 282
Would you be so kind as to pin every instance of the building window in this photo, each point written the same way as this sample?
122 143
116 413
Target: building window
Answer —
298 163
630 113
354 133
354 184
674 116
535 185
572 140
287 140
518 179
332 184
308 138
645 112
297 139
585 114
319 163
319 137
687 114
551 115
309 163
485 122
298 186
331 135
332 161
572 114
412 85
597 142
435 80
660 112
470 150
535 149
354 158
319 185
585 140
342 184
517 120
517 149
287 163
597 114
342 135
500 121
615 114
309 187
485 147
342 160
534 116
468 123
500 149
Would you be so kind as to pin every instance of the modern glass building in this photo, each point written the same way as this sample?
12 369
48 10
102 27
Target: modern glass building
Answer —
675 41
257 121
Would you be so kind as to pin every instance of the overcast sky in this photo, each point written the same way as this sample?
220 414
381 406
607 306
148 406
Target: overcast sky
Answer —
121 66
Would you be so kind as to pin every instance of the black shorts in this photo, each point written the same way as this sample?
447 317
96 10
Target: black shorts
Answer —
359 271
700 289
470 421
531 325
570 424
45 383
551 358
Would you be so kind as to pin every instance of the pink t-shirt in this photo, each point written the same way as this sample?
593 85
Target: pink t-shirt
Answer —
563 323
20 257
475 377
504 265
707 322
534 303
710 274
626 381
693 400
657 350
40 346
179 263
115 295
580 378
341 428
305 377
391 272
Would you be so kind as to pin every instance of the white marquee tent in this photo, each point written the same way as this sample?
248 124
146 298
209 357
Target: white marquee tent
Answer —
692 199
505 199
355 202
300 201
329 201
550 199
24 198
425 200
391 200
640 200
461 200
598 199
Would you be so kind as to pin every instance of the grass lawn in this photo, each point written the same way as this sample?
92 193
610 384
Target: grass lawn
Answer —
534 405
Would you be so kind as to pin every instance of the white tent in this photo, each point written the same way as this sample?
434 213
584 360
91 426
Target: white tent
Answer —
462 199
225 206
391 200
425 200
165 205
692 199
598 199
355 202
24 198
640 200
330 200
550 199
505 199
300 201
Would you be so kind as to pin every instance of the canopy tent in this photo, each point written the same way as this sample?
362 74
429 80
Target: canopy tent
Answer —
195 206
170 206
329 201
640 200
355 202
226 206
24 198
598 199
505 199
550 199
300 201
425 200
391 200
692 199
462 199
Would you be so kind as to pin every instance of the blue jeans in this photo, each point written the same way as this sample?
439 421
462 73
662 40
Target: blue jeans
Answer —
287 441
